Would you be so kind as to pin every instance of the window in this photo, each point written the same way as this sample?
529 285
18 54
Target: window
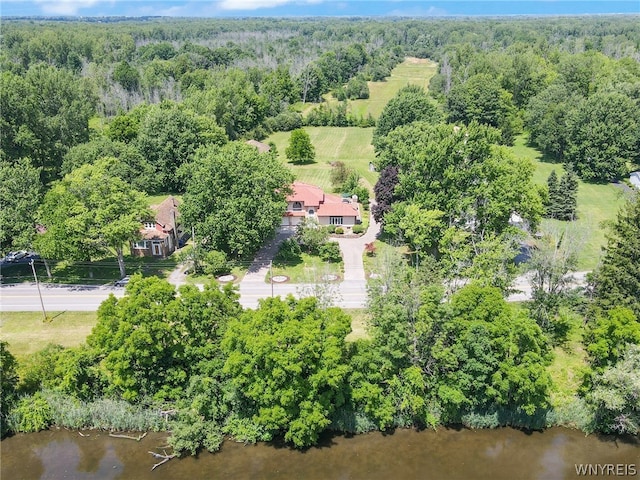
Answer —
335 220
142 245
311 211
297 206
150 225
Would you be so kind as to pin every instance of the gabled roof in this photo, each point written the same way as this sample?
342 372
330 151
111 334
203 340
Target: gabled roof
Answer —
334 206
310 195
165 211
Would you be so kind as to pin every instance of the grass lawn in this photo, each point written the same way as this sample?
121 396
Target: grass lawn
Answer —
27 333
414 71
568 363
98 272
309 269
597 203
351 145
359 322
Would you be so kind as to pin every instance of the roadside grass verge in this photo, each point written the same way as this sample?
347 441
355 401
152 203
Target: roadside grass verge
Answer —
98 272
351 145
307 269
26 332
597 204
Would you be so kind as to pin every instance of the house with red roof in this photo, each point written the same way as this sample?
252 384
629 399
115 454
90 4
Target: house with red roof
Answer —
309 201
159 235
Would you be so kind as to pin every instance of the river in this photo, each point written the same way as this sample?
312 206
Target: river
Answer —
405 454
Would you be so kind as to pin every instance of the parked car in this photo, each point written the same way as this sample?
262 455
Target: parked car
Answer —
16 256
122 282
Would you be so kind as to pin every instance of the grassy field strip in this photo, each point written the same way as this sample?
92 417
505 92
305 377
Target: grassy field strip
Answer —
27 333
414 71
351 145
597 203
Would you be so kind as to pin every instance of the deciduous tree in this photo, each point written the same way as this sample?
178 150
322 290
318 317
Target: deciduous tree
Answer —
235 197
89 213
300 149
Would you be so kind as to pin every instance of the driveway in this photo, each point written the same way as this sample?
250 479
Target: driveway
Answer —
350 293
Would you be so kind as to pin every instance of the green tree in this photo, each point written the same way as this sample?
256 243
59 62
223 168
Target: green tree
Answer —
88 213
482 99
615 395
410 104
617 280
300 149
287 362
168 137
151 341
126 75
131 166
235 197
555 195
546 119
568 188
461 172
20 195
8 384
44 113
608 337
603 135
311 236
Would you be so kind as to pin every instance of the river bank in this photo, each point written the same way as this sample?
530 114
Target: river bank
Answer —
497 454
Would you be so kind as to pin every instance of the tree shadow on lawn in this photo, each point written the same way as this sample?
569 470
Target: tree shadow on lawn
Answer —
87 273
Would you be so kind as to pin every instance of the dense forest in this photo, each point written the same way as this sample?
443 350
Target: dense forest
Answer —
96 116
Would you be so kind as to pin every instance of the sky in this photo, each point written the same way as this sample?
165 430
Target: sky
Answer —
297 8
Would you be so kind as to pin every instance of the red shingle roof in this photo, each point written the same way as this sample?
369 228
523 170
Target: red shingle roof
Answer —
309 195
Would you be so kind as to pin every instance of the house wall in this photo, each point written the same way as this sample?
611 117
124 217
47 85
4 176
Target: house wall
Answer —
347 221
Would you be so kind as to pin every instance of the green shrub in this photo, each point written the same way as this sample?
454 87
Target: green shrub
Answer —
339 230
358 229
289 251
330 252
330 229
215 263
32 414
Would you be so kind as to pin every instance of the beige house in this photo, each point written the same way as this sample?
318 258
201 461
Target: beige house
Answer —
159 235
309 201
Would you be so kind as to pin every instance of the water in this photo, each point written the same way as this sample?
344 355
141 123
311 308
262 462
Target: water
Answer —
406 454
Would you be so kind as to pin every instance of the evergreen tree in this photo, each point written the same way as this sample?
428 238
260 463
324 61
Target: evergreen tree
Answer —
617 281
554 194
567 196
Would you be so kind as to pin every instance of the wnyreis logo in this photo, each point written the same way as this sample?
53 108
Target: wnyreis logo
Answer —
606 469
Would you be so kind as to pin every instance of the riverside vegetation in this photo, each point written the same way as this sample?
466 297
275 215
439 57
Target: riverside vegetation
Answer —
171 103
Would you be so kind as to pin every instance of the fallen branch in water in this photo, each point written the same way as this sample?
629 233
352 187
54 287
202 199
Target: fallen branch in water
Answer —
165 458
83 435
137 439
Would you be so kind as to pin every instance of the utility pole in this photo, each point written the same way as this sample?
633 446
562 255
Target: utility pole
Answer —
271 276
33 268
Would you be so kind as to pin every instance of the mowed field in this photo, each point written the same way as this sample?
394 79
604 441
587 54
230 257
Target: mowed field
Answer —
26 332
351 145
413 71
597 204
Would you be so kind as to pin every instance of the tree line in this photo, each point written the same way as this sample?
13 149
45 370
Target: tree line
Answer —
286 369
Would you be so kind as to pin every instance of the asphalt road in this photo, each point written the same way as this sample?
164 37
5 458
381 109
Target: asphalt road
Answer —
24 297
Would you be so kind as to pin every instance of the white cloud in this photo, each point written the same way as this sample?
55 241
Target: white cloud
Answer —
256 4
418 12
65 7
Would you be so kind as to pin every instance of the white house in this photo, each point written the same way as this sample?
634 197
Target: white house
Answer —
309 201
635 179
